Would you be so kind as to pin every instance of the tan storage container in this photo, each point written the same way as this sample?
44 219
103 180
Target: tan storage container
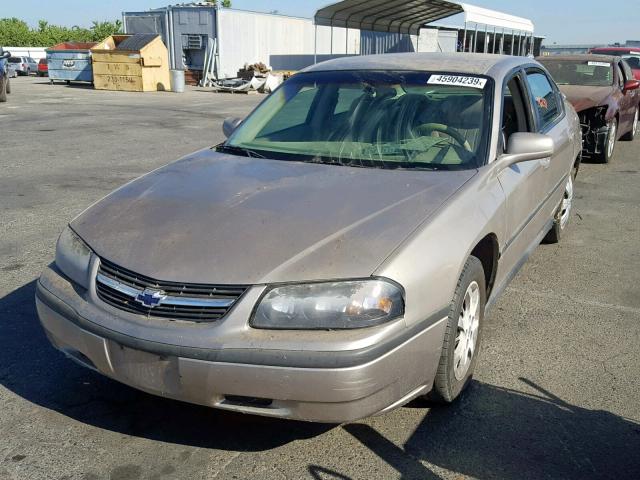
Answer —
131 63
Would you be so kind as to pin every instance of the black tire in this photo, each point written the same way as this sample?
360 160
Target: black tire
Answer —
8 82
606 156
559 227
630 137
3 91
446 387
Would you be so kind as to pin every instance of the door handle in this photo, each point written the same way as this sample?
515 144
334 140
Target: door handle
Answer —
545 162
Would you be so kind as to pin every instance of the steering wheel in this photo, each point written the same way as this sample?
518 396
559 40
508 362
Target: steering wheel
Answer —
428 128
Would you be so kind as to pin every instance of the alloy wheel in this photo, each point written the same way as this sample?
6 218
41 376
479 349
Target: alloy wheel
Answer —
611 143
467 335
567 203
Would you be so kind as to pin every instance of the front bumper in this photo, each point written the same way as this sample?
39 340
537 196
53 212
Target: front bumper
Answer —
321 386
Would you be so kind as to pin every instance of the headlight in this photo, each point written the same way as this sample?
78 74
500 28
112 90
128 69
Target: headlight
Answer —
329 306
73 256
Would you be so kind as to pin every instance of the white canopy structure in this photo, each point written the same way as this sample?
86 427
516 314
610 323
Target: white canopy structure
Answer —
484 30
492 18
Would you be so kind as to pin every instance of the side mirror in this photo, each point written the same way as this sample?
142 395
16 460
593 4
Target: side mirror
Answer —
523 147
229 125
631 85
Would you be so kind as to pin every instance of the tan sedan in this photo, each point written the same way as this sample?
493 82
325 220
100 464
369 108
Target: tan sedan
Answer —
335 257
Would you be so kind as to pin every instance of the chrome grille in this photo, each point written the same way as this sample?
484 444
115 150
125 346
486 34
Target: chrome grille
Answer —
126 290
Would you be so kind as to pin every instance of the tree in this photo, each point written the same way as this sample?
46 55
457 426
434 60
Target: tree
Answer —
16 33
223 3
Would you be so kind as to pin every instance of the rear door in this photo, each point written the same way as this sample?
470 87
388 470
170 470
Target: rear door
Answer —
548 106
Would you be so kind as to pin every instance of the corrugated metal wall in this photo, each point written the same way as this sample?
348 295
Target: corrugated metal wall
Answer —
285 43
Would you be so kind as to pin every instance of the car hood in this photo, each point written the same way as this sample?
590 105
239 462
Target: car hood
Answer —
583 98
221 219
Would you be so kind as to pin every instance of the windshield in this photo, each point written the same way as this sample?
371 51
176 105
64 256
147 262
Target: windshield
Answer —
372 119
580 72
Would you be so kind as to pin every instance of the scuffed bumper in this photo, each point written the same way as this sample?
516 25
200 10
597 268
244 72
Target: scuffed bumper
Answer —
331 395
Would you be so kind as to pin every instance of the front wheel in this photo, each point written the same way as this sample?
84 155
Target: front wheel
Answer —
462 336
3 90
8 85
629 137
610 142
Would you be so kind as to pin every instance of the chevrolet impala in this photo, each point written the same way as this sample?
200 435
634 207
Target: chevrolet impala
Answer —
334 258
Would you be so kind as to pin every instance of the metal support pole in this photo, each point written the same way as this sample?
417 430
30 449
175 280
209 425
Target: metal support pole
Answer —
331 51
464 39
486 39
533 45
493 47
346 42
475 39
502 42
519 41
315 44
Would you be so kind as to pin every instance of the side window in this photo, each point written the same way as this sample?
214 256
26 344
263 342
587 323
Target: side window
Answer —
514 110
293 113
546 100
346 97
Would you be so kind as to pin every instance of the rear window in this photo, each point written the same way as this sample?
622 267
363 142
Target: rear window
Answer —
43 61
15 60
580 72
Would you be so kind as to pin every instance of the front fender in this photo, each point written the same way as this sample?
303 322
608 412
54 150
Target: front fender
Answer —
429 263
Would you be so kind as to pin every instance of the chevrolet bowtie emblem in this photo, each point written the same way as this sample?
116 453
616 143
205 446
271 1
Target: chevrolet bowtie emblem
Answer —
151 298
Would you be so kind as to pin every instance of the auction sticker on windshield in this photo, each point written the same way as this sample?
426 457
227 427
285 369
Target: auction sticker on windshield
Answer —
599 64
457 80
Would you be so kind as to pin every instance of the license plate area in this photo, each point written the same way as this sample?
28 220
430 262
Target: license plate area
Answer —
145 370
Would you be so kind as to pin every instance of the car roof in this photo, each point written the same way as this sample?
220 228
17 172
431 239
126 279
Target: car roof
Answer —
472 63
582 57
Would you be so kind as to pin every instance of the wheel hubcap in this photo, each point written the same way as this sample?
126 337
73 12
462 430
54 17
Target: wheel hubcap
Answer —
635 123
467 335
567 202
612 138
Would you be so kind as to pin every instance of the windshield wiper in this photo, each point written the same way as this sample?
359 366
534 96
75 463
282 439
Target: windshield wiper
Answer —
233 149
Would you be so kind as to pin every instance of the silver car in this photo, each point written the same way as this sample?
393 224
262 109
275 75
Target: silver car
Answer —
335 257
23 65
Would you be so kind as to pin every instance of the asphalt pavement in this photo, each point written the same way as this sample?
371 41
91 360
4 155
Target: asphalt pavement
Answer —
556 393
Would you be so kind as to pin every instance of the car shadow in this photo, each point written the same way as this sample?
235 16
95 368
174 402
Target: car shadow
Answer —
490 432
31 368
494 432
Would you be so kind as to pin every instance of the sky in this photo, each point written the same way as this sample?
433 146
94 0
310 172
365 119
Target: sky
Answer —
561 21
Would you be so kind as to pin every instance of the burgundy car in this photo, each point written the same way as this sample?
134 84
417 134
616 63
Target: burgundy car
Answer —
630 54
605 94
